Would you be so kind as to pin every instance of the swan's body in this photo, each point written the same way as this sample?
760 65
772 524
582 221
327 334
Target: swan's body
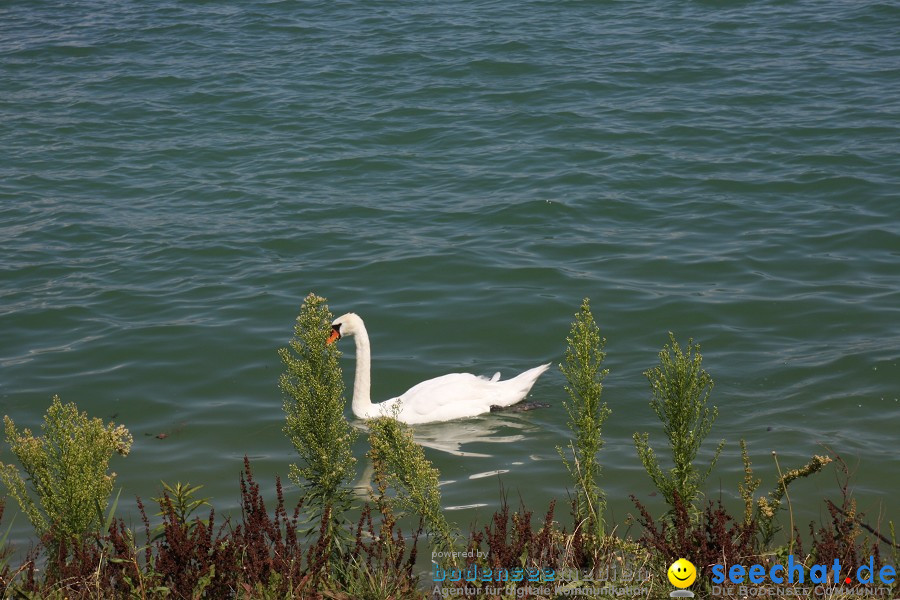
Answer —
454 396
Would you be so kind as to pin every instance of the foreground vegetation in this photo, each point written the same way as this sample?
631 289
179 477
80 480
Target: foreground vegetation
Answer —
328 546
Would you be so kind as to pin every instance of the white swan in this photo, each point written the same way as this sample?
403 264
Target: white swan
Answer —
454 396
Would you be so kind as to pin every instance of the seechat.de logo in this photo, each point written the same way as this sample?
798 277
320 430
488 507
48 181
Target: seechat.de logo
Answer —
796 572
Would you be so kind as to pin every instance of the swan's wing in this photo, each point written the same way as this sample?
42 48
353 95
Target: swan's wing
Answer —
452 396
496 377
461 395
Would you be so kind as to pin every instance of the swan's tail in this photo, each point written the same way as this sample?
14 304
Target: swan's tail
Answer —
523 382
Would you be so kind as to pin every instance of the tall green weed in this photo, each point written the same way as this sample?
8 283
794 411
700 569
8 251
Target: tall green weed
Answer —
681 389
401 463
314 403
67 471
582 368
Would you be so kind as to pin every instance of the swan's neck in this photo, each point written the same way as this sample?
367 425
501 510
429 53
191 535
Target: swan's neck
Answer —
362 400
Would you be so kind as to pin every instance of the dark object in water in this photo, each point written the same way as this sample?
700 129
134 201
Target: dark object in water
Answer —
520 407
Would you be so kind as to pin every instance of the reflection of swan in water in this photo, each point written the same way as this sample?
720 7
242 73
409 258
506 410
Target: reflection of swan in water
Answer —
451 438
454 396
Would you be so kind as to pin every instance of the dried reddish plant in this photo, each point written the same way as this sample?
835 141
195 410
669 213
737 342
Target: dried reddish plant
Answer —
842 537
713 537
262 556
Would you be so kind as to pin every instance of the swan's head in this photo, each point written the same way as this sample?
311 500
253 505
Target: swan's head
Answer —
349 324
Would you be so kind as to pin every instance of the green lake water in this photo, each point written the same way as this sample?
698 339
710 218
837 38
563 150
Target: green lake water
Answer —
176 176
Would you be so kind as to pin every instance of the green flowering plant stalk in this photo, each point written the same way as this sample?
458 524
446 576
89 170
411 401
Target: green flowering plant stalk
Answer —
314 402
768 506
401 463
681 389
582 368
749 486
67 469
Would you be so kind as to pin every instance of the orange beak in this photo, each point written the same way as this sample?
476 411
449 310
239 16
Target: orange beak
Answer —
335 336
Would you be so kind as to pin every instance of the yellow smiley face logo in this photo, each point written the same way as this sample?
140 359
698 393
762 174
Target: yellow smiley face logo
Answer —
682 573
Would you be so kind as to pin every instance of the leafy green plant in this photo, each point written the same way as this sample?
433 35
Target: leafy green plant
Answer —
582 368
401 463
769 505
749 486
681 389
67 470
183 502
314 403
363 580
